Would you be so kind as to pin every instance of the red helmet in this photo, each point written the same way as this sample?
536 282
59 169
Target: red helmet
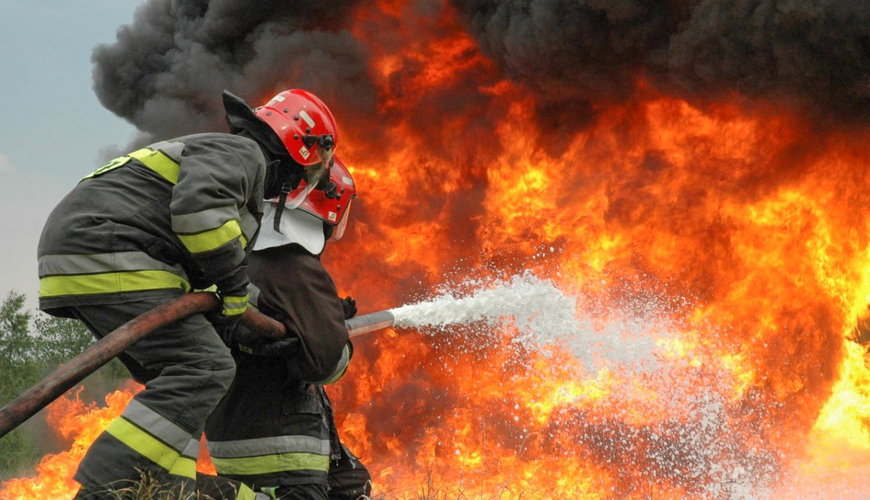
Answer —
296 114
332 204
307 129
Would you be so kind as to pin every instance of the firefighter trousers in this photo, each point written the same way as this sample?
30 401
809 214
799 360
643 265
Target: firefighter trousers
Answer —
186 369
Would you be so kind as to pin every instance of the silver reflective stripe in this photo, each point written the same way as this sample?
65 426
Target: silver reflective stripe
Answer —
157 426
253 295
268 446
248 224
340 367
51 265
191 450
203 221
171 149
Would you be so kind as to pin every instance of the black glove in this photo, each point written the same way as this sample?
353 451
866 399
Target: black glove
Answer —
282 348
349 307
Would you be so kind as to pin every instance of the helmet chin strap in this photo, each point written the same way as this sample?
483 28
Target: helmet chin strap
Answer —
291 182
282 199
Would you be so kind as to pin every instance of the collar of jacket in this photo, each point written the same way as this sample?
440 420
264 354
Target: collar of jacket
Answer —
296 227
240 117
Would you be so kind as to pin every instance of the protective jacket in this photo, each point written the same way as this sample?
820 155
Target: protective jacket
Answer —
273 426
153 223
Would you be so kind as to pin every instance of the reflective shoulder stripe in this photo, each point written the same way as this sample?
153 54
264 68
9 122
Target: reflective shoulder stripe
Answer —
158 162
117 282
254 466
172 149
111 165
155 160
213 239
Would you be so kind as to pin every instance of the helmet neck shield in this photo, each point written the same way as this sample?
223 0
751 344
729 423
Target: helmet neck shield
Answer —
242 119
295 227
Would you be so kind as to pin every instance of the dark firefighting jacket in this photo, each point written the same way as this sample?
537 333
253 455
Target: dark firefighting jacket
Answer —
272 429
156 222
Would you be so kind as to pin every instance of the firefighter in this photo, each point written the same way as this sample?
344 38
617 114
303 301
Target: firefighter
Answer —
274 430
146 228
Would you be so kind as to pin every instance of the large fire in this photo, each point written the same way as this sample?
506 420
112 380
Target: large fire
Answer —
735 238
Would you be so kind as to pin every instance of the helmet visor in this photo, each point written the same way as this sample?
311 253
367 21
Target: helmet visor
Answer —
313 175
338 231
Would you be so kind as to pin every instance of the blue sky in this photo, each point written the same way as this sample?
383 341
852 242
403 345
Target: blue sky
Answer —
54 129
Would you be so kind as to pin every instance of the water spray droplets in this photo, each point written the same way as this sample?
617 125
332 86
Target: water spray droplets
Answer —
623 353
544 316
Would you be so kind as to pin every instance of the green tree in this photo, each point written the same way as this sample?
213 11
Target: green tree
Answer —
31 347
18 370
59 339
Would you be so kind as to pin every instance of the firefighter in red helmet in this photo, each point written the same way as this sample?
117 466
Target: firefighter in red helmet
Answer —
274 431
152 225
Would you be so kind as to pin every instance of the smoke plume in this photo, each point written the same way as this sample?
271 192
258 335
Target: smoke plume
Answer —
166 71
811 53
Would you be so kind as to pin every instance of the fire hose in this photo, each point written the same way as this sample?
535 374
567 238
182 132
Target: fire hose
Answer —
102 351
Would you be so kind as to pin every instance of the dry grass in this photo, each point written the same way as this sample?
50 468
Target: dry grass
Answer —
429 490
149 488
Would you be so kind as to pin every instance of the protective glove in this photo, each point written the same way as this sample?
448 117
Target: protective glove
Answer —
233 293
249 342
282 348
349 307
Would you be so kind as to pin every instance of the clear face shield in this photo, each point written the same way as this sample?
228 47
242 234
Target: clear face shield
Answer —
338 231
323 146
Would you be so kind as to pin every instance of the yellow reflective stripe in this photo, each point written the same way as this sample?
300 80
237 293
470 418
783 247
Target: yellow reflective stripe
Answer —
158 162
112 165
123 281
250 466
243 240
210 240
234 305
245 493
144 444
185 467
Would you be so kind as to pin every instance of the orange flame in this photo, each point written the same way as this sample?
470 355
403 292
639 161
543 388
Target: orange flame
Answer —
733 241
73 419
80 422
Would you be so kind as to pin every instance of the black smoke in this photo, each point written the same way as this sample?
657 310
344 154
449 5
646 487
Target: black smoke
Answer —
166 70
813 54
